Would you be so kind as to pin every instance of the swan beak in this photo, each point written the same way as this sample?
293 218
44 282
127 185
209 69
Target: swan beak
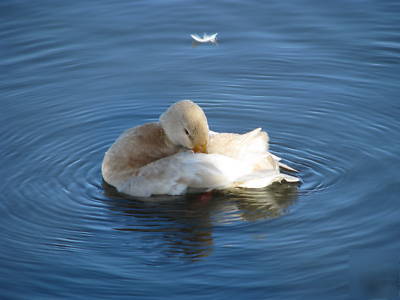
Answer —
200 148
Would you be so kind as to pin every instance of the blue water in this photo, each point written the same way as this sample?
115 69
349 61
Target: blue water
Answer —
322 78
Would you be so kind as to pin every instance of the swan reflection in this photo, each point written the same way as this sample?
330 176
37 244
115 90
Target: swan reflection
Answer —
184 224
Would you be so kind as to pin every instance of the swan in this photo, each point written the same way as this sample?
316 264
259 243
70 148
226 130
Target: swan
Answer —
180 152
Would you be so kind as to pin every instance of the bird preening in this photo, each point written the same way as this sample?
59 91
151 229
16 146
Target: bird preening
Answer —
180 152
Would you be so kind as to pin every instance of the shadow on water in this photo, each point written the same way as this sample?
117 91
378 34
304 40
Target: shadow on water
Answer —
185 223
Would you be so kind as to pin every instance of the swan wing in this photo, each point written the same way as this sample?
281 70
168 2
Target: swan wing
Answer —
174 174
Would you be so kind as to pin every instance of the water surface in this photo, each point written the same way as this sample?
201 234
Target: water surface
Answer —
322 79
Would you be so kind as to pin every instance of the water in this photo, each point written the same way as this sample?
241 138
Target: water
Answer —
323 80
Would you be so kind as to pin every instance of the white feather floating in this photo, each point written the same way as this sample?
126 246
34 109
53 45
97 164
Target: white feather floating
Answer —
206 38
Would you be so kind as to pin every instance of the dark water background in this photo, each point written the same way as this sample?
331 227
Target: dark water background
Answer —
322 77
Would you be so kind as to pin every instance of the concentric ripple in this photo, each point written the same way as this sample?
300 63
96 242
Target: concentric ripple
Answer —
67 202
322 80
59 162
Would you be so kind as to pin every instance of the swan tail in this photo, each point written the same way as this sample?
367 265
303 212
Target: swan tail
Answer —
287 168
282 165
264 178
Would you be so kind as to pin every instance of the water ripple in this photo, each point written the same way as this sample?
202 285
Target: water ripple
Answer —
64 160
323 83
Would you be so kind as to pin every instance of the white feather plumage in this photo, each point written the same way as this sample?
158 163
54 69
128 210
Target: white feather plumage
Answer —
155 158
175 174
206 38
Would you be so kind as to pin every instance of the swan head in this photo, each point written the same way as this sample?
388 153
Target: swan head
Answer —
185 125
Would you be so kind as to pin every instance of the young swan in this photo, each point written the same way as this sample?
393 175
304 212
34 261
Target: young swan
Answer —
185 124
182 127
160 158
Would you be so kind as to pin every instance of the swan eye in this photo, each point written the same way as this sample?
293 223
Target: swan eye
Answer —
187 132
